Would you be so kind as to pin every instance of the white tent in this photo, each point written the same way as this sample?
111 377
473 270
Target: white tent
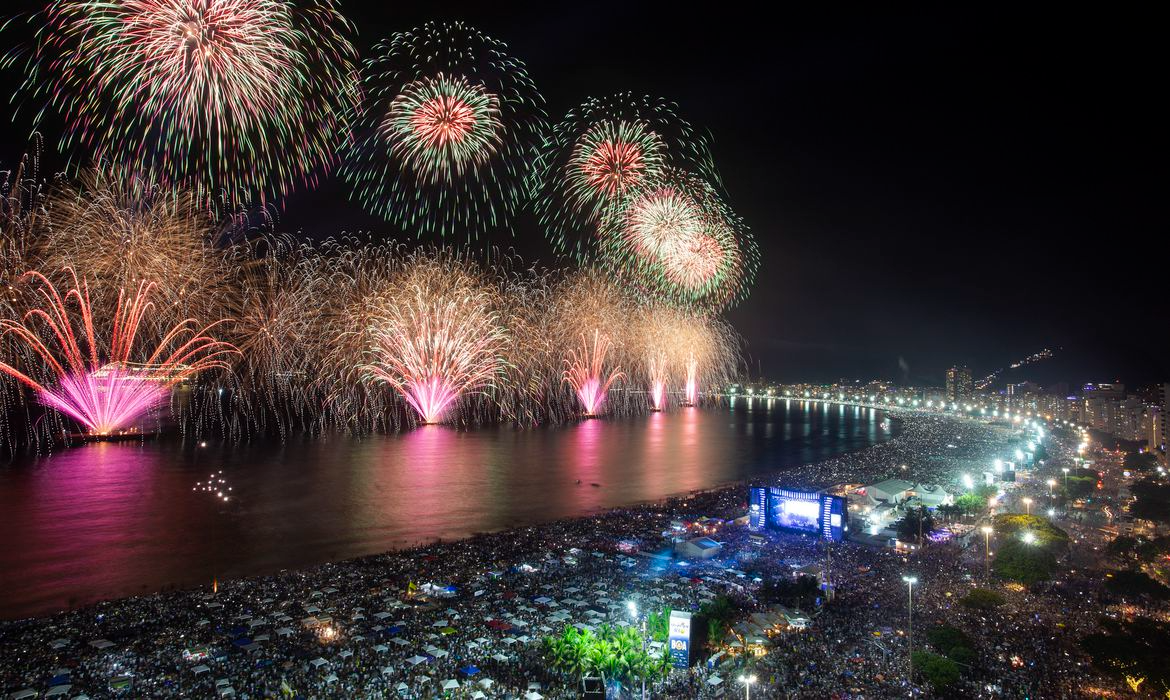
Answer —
318 662
101 644
485 683
380 648
201 669
532 695
331 678
387 670
714 680
416 660
58 690
450 684
500 657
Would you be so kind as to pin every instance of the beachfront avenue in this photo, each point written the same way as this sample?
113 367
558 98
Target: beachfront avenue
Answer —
533 611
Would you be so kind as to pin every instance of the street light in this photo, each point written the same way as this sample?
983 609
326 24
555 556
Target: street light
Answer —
633 608
1029 537
910 581
1065 470
1028 504
1051 483
747 686
987 551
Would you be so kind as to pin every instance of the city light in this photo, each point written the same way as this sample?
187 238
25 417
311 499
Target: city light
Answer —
747 685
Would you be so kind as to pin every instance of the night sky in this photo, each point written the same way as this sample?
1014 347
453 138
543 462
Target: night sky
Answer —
928 187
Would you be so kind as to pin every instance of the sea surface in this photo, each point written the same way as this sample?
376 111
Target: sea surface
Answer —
109 520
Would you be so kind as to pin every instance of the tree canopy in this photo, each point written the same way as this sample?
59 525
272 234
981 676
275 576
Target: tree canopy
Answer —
939 671
617 652
1028 547
982 599
1134 651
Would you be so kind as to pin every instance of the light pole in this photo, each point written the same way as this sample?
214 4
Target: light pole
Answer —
1065 470
747 686
633 608
910 581
1051 483
987 552
1027 505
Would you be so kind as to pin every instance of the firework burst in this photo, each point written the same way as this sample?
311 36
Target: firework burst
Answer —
598 154
235 99
677 240
441 339
114 228
104 386
444 136
588 373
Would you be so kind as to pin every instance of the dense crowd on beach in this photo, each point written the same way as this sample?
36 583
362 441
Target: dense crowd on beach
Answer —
465 619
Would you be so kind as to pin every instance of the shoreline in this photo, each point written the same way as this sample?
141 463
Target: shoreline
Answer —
663 502
35 606
369 626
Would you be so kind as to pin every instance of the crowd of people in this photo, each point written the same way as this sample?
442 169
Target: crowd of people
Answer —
466 619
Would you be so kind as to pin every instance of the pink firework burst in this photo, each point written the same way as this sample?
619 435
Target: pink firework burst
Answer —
101 385
434 349
692 387
587 374
658 375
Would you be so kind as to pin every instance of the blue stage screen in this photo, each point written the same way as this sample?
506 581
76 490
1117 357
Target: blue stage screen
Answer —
802 511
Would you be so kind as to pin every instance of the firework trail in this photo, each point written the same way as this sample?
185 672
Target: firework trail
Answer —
598 154
659 375
114 228
235 99
587 373
277 330
446 132
441 339
692 380
675 239
104 387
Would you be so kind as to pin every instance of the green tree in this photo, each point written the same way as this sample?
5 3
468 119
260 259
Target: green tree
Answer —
946 637
1122 547
1133 584
1152 501
1132 650
1140 461
917 520
1079 486
1010 525
658 625
1027 563
982 599
939 671
985 491
971 503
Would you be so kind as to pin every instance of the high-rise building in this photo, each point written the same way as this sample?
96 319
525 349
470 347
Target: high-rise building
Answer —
1165 419
959 384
